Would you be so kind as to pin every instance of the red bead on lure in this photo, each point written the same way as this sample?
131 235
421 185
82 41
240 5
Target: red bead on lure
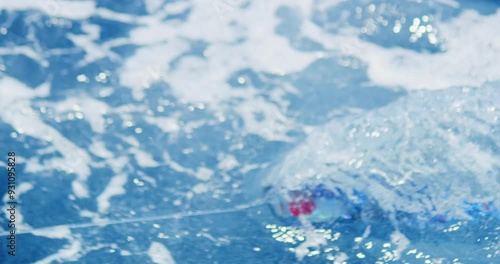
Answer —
302 206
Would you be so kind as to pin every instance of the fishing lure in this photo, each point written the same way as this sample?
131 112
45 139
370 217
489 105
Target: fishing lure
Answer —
320 204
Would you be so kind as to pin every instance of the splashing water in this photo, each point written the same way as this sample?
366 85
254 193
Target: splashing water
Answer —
427 162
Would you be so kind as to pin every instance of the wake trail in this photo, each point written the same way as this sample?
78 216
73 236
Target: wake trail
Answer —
177 216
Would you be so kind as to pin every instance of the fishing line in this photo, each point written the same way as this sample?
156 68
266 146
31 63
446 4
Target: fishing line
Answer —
177 216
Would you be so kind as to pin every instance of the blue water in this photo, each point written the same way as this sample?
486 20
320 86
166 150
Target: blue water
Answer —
146 131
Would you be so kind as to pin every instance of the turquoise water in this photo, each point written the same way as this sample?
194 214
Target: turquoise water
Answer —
147 131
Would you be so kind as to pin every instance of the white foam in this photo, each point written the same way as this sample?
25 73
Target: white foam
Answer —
92 110
15 105
176 7
451 3
58 232
131 140
341 258
20 189
200 188
68 253
204 173
261 50
116 16
26 51
118 163
274 124
153 5
115 187
408 69
459 65
18 92
327 4
166 124
147 178
99 149
160 254
226 162
312 240
144 159
401 243
56 8
148 65
93 52
176 166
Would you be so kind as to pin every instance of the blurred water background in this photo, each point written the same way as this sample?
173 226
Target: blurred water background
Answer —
180 111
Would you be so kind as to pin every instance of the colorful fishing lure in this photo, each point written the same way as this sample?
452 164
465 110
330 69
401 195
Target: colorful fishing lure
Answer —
320 204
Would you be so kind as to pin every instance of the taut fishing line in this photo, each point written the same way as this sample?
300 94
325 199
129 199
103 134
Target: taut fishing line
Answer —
177 216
